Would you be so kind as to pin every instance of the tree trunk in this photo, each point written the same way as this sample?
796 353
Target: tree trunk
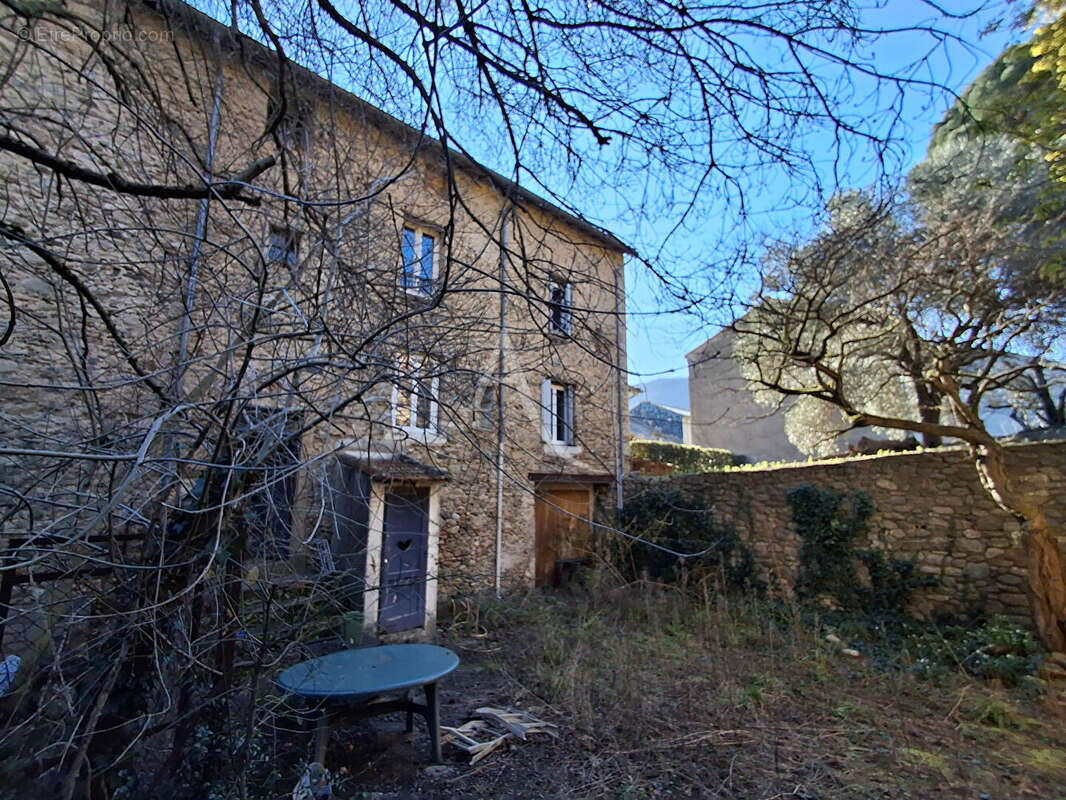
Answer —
928 411
1046 567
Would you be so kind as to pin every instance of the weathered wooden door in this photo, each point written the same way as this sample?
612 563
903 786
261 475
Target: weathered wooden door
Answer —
404 548
562 529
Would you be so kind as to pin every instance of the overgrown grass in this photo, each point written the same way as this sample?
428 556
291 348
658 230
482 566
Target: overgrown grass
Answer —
692 693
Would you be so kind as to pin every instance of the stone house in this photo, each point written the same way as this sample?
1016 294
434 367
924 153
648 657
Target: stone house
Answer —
726 414
424 356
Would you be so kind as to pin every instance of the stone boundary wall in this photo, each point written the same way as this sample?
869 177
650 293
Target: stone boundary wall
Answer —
930 507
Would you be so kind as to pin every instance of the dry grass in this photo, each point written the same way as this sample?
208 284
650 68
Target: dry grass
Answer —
665 696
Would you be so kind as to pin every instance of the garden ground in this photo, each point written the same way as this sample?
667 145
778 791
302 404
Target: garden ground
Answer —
657 695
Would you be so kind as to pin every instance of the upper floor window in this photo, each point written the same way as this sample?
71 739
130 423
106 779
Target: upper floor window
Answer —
485 408
415 402
560 306
557 412
283 246
418 249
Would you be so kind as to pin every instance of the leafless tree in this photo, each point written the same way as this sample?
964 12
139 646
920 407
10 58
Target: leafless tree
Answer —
201 301
936 296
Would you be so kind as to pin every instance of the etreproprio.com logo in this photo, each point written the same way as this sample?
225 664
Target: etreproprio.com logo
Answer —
42 35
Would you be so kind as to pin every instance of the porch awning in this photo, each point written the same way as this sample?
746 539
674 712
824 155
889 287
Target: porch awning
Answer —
388 467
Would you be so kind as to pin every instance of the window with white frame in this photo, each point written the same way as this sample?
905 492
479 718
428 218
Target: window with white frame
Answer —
557 412
418 252
415 401
560 307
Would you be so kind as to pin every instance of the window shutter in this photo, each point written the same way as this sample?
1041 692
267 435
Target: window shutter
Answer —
434 403
568 303
569 412
546 411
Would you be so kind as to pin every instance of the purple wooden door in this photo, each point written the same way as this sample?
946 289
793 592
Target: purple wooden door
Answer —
403 564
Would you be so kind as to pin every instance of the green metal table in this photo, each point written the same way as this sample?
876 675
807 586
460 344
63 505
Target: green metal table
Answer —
356 684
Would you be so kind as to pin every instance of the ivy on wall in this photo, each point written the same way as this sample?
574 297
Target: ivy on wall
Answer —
682 524
829 524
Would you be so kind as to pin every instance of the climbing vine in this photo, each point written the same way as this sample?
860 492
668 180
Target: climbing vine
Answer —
829 524
680 523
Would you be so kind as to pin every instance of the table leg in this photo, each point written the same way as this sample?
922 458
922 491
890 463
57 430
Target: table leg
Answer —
322 737
433 721
410 711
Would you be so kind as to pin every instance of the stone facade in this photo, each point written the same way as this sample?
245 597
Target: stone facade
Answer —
929 507
725 415
322 334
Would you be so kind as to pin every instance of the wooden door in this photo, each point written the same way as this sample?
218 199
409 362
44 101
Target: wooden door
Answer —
404 548
563 530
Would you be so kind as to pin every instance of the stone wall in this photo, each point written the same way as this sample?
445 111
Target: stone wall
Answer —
930 507
132 254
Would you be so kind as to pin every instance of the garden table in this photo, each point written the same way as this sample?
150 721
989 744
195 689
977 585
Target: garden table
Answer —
355 684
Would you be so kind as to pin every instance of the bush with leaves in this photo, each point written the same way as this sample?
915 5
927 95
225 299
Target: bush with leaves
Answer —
665 522
686 458
829 523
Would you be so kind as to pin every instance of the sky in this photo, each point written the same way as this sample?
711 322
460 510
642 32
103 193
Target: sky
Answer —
658 340
629 204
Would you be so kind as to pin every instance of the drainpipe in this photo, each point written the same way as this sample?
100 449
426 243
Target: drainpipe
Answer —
201 230
501 367
620 452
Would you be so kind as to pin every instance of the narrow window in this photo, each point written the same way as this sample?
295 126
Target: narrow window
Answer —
283 246
415 402
557 412
291 128
418 251
559 307
485 412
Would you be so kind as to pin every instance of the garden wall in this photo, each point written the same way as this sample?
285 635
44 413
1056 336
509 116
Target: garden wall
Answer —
930 507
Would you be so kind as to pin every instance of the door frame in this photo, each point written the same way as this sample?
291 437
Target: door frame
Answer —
373 577
544 488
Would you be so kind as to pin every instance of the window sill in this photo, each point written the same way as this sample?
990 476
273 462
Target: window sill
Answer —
560 450
418 294
421 436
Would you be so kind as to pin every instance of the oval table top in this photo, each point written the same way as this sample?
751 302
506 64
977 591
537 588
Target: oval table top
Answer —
352 674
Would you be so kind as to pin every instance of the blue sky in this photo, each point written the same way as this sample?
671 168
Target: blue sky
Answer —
658 339
640 204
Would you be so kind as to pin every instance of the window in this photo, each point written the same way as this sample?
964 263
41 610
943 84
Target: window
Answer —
418 249
485 410
283 246
560 304
415 401
557 412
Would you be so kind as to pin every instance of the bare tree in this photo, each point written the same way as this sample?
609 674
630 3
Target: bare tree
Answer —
937 296
201 241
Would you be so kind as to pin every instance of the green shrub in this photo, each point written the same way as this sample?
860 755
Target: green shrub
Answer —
992 648
686 458
829 522
670 519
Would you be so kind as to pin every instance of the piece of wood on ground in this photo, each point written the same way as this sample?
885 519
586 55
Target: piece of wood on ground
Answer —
463 738
520 723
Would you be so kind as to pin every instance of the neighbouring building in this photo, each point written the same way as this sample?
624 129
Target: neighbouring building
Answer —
438 348
648 420
726 414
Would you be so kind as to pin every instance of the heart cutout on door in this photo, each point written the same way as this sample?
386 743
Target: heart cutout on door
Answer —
404 544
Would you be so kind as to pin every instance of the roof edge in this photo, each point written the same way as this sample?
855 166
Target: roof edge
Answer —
205 24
